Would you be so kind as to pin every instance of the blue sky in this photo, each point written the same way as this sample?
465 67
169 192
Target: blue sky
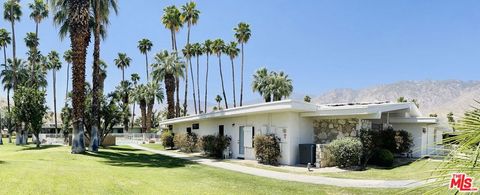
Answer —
322 45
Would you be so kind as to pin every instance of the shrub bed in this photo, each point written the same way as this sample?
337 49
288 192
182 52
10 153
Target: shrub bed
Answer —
167 139
267 149
382 157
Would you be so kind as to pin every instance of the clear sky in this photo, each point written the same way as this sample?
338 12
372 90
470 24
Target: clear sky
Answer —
321 44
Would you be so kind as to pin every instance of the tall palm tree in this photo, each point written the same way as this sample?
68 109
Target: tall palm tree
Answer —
171 19
67 56
12 12
5 40
122 62
32 42
54 64
139 96
218 47
39 12
153 91
232 51
145 46
135 78
101 10
207 48
197 51
190 16
282 86
187 53
78 27
166 67
242 34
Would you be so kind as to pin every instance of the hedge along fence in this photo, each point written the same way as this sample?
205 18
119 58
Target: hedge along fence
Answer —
267 149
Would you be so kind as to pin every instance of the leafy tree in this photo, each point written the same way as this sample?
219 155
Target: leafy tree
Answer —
145 46
401 99
433 115
39 12
54 64
167 66
242 34
30 109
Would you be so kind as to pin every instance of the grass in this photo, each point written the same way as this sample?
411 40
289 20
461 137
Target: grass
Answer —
123 170
417 170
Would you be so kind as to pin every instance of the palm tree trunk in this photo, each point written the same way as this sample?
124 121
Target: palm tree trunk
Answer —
149 115
55 100
177 102
241 81
36 29
146 66
221 77
170 88
68 81
193 85
206 85
186 89
9 119
143 111
233 81
133 115
14 50
94 141
79 38
123 74
198 86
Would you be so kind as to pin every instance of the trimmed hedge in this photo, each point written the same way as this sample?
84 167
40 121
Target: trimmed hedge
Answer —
186 142
346 152
267 149
214 145
382 157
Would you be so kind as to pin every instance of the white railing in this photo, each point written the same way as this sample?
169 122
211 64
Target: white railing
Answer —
51 139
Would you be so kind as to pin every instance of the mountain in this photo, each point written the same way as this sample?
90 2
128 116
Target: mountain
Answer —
434 96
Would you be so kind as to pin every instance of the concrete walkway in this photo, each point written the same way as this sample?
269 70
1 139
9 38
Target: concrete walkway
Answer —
358 183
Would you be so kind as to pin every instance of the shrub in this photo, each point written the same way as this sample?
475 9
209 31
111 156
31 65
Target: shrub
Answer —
346 152
367 138
382 157
214 145
186 142
267 149
167 139
403 140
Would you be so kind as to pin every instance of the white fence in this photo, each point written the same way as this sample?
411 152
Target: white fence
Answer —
120 138
135 138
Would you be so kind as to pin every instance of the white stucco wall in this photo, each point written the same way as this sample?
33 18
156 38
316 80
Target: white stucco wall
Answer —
297 130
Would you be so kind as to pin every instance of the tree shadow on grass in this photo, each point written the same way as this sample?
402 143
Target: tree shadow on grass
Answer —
42 147
134 158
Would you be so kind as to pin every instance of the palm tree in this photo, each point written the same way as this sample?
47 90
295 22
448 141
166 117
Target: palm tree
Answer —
218 99
261 84
187 53
135 78
232 51
145 46
197 51
78 26
218 47
207 48
32 41
242 34
39 12
171 19
67 56
4 41
153 91
13 12
122 62
282 86
190 16
54 64
166 68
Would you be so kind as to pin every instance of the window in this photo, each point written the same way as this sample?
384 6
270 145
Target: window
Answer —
195 126
170 127
221 130
189 130
253 137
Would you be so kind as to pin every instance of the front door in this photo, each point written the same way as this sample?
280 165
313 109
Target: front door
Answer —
241 139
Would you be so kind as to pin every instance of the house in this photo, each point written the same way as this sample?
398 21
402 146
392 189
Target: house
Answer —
296 122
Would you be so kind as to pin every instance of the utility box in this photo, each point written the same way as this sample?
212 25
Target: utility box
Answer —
307 153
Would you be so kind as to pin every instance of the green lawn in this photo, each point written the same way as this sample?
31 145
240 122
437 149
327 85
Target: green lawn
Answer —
417 170
123 170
